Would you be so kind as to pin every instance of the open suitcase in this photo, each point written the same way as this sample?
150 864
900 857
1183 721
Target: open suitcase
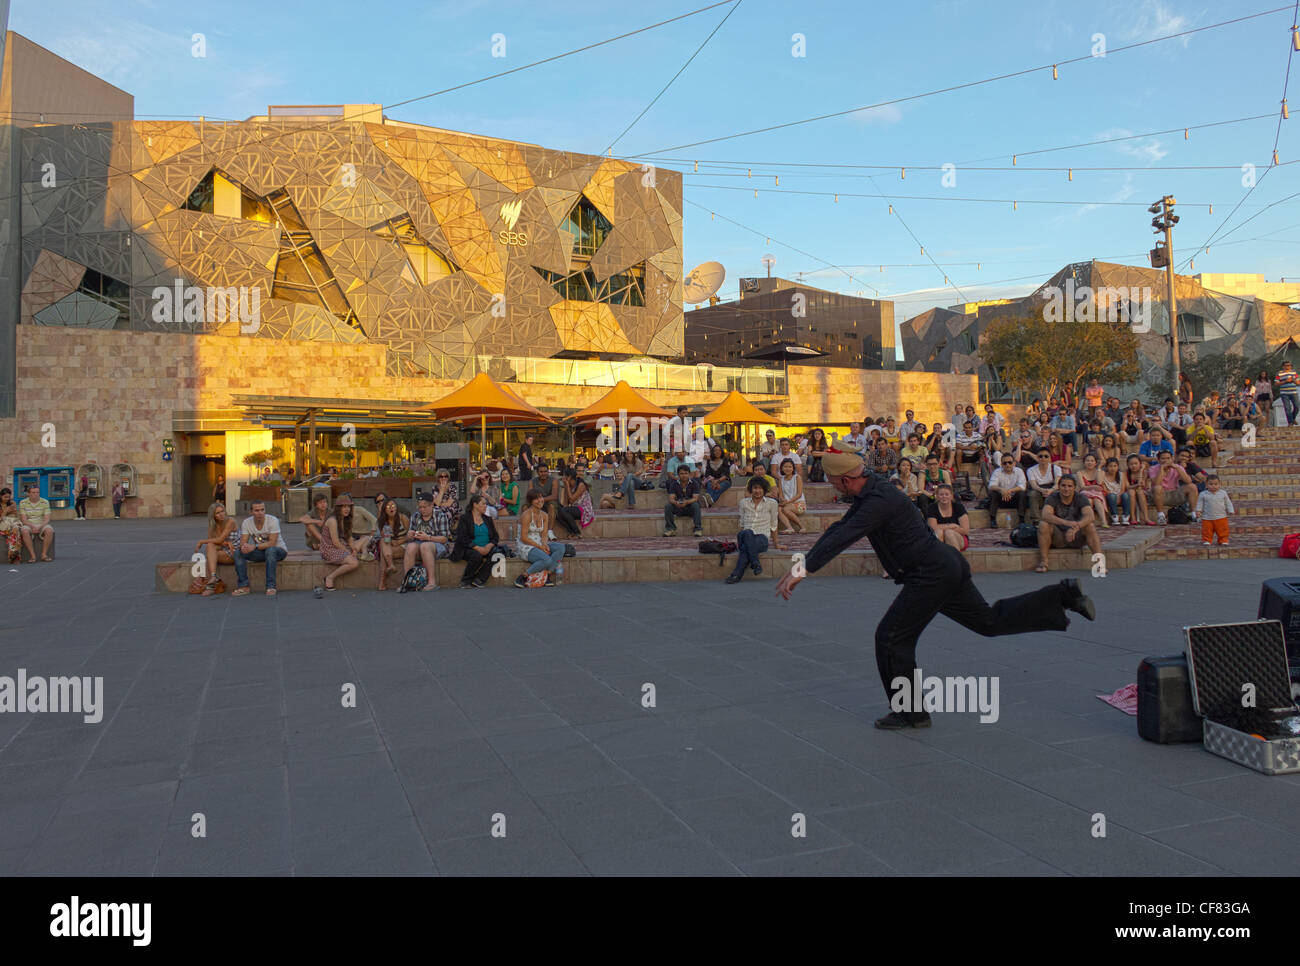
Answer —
1223 659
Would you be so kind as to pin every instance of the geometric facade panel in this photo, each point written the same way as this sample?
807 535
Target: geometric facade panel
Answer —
441 246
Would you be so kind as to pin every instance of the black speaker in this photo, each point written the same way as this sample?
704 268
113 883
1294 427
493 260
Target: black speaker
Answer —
1165 711
1279 600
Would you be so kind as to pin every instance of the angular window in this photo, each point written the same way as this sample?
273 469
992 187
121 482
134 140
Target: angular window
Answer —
627 288
588 226
301 272
426 261
218 194
108 290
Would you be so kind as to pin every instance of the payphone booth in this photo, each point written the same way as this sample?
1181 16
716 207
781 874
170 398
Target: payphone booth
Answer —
94 474
125 473
54 483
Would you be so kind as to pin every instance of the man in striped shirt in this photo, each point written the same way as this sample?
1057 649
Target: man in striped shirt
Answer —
1287 386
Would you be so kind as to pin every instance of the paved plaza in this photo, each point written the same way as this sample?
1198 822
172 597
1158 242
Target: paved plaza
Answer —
522 712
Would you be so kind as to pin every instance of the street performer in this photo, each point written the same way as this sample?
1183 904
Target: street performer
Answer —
936 579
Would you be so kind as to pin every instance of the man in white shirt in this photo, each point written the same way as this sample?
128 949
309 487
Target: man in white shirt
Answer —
783 454
758 525
1177 423
260 541
1042 480
1008 490
910 426
855 442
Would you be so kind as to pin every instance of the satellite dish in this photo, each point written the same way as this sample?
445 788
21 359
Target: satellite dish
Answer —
705 280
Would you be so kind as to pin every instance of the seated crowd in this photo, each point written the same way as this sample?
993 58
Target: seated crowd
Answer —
1072 466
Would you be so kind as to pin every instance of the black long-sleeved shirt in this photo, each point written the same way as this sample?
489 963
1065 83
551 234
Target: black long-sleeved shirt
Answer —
883 514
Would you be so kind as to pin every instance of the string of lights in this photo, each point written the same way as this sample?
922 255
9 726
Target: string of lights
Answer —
931 166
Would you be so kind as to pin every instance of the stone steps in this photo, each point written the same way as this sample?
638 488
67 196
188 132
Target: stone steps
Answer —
680 560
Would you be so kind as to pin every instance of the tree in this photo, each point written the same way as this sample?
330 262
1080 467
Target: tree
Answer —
1038 356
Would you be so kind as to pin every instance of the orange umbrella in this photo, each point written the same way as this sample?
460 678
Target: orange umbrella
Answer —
620 401
482 396
737 409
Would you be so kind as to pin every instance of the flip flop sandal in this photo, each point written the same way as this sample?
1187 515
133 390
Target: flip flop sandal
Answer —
270 592
241 592
1040 569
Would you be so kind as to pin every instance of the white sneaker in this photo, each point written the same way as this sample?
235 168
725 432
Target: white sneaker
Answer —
1124 520
1160 519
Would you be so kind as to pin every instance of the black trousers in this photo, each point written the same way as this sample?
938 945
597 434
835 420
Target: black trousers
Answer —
1015 502
944 586
478 566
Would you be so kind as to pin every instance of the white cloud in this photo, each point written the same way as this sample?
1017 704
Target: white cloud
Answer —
1148 150
117 48
1151 19
885 114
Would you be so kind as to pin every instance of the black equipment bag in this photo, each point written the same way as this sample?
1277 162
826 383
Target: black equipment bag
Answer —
1165 711
1178 517
720 547
1025 535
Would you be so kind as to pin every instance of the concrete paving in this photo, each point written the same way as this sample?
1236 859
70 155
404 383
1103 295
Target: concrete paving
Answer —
501 731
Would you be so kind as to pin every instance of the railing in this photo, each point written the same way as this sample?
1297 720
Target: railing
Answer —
639 374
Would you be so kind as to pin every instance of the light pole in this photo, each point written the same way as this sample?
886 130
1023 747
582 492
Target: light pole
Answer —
1163 256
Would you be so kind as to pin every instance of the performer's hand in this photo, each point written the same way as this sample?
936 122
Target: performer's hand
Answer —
785 586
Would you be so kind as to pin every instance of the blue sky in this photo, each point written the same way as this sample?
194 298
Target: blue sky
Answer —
747 77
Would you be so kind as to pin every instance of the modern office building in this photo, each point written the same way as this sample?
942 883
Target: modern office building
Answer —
777 317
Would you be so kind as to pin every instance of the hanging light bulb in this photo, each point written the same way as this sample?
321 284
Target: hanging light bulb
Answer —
712 216
777 179
922 249
1185 135
755 192
1295 37
903 174
1013 159
1211 209
1285 113
1275 156
837 199
697 166
1069 174
749 172
977 266
1191 263
1015 206
891 209
1055 75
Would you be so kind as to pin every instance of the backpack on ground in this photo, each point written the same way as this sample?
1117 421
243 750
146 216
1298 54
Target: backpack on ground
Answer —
414 579
1025 535
720 547
570 550
1178 517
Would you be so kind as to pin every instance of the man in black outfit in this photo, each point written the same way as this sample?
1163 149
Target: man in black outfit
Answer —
936 579
524 464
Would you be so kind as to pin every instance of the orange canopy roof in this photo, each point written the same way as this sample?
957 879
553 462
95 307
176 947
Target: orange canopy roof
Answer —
621 400
483 396
737 409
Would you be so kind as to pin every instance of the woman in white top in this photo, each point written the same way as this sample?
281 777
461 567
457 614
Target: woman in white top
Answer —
758 526
789 498
533 545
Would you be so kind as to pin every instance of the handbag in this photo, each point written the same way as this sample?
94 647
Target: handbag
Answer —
1290 546
198 585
